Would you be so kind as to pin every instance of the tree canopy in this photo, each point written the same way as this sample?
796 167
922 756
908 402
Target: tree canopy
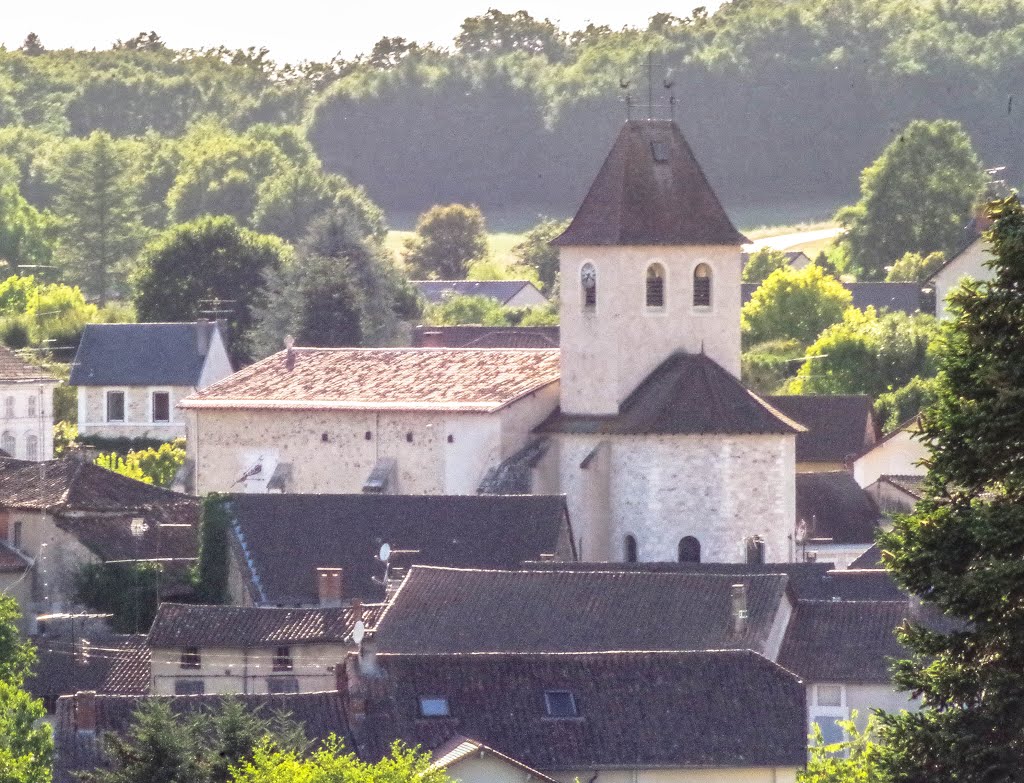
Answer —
448 239
915 198
960 551
762 263
332 764
794 304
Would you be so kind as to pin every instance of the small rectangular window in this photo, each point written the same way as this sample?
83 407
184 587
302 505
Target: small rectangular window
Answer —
282 684
560 704
659 150
161 406
190 658
115 406
16 542
282 659
9 407
702 292
590 297
831 732
32 406
434 707
189 687
829 695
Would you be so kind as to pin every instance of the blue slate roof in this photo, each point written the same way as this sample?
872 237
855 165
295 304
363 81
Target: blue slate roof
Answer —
141 355
434 291
894 297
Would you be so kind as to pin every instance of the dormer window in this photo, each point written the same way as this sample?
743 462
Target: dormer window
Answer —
560 704
656 286
588 282
434 707
629 553
702 286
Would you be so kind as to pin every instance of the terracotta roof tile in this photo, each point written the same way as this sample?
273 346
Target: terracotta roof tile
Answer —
688 394
129 673
11 561
635 709
487 336
384 378
637 199
14 369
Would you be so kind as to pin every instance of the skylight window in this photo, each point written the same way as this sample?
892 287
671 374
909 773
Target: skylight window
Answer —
434 707
560 704
659 150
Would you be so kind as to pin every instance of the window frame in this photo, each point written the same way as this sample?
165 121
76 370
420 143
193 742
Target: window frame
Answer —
282 662
574 708
444 711
588 296
821 713
32 447
191 658
630 549
710 306
196 686
8 438
152 406
656 309
107 395
283 684
32 407
689 541
10 407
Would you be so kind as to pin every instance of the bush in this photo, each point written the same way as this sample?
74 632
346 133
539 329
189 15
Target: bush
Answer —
127 591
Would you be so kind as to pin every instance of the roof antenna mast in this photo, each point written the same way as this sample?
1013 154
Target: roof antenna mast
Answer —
650 85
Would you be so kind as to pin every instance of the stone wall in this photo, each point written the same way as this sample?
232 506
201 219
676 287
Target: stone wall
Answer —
26 411
719 489
138 413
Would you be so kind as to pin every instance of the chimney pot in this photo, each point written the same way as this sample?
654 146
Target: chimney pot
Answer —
739 609
431 339
85 711
328 586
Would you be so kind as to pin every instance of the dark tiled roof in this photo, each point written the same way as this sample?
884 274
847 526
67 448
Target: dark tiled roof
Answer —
912 485
171 533
636 710
15 369
129 673
843 641
832 505
855 584
179 625
75 485
637 200
320 714
439 610
11 561
839 427
894 297
140 355
486 336
384 378
435 291
688 394
870 559
288 536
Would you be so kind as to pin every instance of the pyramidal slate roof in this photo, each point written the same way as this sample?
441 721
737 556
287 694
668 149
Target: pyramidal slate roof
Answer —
142 354
651 191
688 394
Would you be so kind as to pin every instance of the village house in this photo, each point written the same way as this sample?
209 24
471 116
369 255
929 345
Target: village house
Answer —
839 427
508 293
283 547
837 520
343 420
618 717
906 298
467 760
900 453
197 649
131 377
63 514
970 261
26 392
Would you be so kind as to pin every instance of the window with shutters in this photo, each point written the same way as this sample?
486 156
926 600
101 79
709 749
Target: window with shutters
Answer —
702 286
656 287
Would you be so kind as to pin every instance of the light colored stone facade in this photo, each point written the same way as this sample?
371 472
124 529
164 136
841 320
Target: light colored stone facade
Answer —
682 775
138 412
334 451
238 670
721 489
26 420
608 350
971 263
899 454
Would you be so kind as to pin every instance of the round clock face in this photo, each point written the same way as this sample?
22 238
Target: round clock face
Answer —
588 276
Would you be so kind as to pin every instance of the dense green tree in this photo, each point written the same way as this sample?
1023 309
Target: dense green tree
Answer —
536 251
496 33
961 550
794 304
915 268
484 311
97 205
448 238
916 197
128 592
26 743
26 234
332 764
895 408
857 759
209 264
32 45
766 366
762 263
156 465
868 353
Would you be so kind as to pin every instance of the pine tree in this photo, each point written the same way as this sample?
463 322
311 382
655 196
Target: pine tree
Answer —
962 551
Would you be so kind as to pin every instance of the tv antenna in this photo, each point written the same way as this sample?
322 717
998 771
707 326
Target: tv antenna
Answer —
215 307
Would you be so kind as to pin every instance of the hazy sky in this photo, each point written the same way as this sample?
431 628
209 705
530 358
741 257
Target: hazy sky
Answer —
293 29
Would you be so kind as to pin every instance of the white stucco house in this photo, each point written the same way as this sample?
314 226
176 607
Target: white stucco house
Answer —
26 394
510 293
130 377
900 453
970 262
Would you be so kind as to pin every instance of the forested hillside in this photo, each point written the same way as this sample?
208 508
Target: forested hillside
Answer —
784 100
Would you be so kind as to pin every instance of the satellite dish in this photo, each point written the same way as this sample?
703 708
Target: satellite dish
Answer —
385 553
358 632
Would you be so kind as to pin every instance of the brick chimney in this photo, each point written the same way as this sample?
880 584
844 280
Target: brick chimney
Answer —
430 339
85 711
739 609
204 333
328 586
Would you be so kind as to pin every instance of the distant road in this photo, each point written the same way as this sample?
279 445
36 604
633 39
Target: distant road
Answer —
786 241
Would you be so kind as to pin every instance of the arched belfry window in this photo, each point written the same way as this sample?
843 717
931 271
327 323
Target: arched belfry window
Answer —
702 286
689 550
588 282
629 549
656 286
